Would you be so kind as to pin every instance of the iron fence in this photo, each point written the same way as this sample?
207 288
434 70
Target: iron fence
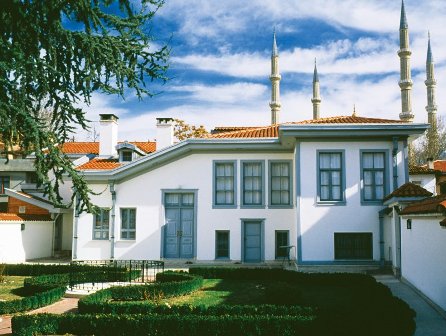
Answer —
112 272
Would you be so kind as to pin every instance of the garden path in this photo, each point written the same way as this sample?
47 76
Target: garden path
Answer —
66 305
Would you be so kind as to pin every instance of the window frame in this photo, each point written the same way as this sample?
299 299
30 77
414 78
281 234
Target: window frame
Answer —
385 177
216 205
127 229
262 184
101 229
124 152
3 178
342 200
228 257
290 204
277 247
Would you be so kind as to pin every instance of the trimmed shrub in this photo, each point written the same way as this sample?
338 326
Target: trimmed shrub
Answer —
98 302
34 301
161 325
44 289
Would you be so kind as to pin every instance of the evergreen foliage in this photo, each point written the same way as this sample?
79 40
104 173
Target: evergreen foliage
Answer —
45 64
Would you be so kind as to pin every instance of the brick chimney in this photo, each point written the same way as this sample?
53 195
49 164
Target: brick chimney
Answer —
164 132
108 135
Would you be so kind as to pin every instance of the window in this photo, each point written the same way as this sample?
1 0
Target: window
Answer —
224 183
373 176
101 224
31 177
280 183
128 223
127 156
252 183
4 183
221 244
353 245
281 241
330 176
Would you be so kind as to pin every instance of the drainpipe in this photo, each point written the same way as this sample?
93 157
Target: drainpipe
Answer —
75 229
397 242
395 163
54 217
406 161
112 224
381 238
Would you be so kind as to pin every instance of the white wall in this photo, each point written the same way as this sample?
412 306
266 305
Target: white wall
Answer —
427 181
192 172
423 251
33 242
319 222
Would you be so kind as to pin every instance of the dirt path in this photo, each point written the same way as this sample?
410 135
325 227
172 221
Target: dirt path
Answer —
66 305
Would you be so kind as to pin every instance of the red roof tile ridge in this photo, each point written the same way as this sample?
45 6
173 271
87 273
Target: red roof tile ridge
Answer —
349 119
242 133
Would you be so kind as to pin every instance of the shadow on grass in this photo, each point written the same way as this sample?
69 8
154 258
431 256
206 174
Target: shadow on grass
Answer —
247 292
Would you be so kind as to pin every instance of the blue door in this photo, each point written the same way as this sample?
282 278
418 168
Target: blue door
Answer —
179 227
252 241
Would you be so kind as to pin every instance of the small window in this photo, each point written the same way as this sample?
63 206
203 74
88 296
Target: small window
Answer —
128 224
355 246
127 156
224 183
101 224
4 183
31 177
221 244
252 184
282 240
280 183
330 177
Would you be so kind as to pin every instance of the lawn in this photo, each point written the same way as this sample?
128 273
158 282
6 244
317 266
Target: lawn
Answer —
11 288
246 292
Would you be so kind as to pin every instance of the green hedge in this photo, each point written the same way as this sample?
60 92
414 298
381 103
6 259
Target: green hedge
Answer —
34 301
98 302
161 325
86 307
44 289
337 279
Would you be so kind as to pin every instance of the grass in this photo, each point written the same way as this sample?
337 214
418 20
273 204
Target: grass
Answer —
247 292
11 288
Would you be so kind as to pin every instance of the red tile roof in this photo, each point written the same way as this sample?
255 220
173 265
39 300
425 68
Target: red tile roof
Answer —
271 131
440 165
419 170
100 164
409 189
23 217
148 147
222 129
93 147
350 120
430 205
260 132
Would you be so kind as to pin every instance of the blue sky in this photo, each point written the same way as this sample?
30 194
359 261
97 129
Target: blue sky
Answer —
220 61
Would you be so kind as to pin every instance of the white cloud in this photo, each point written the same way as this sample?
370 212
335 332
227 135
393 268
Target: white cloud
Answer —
223 93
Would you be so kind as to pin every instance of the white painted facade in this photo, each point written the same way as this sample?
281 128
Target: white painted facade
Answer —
34 241
188 167
423 249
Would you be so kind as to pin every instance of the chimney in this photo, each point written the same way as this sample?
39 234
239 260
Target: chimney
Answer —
430 163
164 132
108 135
